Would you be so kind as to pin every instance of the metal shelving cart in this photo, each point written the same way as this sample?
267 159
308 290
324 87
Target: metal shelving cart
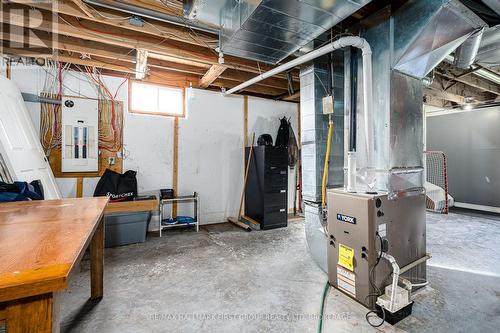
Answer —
195 199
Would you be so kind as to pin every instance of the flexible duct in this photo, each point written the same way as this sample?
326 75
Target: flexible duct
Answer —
366 54
466 53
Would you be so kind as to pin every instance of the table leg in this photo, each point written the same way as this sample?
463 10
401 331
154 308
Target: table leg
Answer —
97 262
35 314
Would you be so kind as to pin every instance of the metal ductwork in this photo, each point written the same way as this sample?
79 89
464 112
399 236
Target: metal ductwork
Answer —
270 30
466 53
425 32
406 44
148 13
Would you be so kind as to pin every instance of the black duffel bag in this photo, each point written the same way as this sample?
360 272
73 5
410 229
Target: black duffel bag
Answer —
116 186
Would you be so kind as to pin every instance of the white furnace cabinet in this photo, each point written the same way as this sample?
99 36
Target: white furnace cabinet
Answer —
80 135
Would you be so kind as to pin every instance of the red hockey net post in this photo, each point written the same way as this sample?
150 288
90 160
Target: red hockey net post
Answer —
436 174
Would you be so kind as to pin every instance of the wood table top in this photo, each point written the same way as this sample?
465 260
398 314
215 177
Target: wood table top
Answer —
41 241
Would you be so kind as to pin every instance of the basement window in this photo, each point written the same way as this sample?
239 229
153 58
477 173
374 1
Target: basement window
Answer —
153 99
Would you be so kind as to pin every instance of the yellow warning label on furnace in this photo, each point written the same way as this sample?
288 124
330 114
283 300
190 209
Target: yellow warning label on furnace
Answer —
346 257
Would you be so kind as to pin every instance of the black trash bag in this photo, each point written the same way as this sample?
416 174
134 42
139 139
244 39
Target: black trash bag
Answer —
265 140
283 134
116 186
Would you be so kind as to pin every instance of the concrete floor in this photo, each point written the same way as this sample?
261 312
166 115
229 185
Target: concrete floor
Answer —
223 279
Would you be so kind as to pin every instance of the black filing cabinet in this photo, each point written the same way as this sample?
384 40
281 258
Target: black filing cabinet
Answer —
266 197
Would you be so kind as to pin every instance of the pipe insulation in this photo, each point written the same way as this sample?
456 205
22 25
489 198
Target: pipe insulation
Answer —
342 42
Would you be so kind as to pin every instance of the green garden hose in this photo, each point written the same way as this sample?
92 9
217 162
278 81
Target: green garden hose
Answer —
322 309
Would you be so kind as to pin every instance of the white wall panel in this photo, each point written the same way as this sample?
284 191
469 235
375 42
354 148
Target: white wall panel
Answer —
211 153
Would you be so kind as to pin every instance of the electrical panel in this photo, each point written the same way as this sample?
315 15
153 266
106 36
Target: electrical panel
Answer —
80 135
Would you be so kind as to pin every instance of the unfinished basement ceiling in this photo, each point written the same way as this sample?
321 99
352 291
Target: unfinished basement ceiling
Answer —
270 30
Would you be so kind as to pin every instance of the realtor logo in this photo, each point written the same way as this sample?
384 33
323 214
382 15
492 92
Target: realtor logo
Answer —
345 218
28 28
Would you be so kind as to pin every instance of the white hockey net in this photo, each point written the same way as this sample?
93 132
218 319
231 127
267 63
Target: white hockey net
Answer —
437 196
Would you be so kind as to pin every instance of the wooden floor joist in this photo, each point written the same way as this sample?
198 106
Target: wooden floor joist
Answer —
211 75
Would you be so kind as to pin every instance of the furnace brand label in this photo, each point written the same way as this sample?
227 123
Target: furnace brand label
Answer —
346 218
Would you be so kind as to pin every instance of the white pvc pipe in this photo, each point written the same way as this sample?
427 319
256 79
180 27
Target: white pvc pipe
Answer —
395 277
342 42
351 171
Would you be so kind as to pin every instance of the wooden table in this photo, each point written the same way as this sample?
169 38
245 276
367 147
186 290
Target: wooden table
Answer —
41 243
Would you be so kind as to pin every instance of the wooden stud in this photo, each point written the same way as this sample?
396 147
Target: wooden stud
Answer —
97 262
79 187
211 75
245 123
8 70
175 165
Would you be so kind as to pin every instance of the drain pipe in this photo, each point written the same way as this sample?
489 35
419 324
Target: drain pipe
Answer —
342 42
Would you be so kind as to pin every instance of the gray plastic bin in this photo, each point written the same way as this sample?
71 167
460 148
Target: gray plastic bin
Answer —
126 228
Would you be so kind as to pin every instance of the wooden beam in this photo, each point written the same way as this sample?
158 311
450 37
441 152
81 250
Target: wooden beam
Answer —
99 50
293 97
472 81
228 84
211 75
70 44
444 95
83 8
119 19
113 35
156 75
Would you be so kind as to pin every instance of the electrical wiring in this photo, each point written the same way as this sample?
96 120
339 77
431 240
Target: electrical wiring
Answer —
367 316
108 17
378 292
186 25
111 121
121 84
110 135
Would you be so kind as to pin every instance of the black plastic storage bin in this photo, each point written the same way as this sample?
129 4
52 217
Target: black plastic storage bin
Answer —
125 228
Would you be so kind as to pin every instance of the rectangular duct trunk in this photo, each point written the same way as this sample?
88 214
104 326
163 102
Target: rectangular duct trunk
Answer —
314 85
406 45
271 30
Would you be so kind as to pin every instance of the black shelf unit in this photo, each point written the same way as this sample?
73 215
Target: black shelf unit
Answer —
266 193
